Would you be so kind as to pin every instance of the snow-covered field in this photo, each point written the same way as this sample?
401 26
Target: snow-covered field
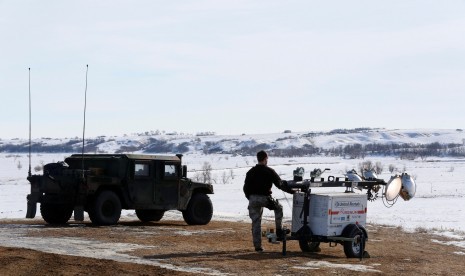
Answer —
438 205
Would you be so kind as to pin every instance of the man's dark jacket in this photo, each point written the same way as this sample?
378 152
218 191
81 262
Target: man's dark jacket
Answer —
259 181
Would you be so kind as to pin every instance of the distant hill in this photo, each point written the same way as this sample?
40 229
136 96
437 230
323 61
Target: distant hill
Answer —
351 143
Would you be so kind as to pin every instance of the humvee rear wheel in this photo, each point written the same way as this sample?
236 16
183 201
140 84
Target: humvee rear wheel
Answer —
106 209
149 215
56 213
199 210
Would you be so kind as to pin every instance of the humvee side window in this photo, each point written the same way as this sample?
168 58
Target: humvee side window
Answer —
170 171
141 170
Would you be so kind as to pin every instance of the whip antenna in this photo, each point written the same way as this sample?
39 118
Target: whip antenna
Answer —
29 173
84 127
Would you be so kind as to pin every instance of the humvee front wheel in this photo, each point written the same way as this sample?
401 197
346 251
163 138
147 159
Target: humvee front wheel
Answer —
149 215
106 209
56 213
199 210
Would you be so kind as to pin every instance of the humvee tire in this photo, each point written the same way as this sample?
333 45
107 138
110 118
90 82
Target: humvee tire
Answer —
149 215
56 213
199 210
106 209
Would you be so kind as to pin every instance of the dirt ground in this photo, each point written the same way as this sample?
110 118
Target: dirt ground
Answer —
219 248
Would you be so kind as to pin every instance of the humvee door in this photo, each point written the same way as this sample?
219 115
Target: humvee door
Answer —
167 184
144 178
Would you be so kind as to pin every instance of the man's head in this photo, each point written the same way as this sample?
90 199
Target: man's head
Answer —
262 157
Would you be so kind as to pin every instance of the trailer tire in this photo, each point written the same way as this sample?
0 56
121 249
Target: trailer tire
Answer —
199 210
308 246
305 245
149 215
56 213
355 248
106 209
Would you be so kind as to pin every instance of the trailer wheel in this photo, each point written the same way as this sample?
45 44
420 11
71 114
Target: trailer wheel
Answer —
56 213
149 215
106 209
308 246
354 249
199 210
305 245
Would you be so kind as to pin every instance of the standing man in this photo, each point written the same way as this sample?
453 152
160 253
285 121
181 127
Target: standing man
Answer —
257 188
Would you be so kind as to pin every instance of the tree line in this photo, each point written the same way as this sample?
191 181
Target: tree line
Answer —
354 151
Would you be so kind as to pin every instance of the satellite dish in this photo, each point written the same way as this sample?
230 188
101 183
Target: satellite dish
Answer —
353 176
393 187
370 175
409 187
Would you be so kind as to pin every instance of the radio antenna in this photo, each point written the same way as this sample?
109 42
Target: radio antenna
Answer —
84 127
30 142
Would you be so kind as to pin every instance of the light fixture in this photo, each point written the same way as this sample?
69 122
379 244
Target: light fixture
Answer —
409 187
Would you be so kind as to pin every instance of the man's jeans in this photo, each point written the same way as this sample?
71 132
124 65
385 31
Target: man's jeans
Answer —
256 205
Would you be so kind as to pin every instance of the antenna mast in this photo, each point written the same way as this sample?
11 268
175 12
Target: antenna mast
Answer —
84 127
29 173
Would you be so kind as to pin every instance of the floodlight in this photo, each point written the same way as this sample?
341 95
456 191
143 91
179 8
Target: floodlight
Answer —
393 187
370 175
353 176
409 187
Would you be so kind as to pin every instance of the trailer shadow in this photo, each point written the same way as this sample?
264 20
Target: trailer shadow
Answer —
218 256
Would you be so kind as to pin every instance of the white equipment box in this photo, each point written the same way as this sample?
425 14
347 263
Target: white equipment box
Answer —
329 214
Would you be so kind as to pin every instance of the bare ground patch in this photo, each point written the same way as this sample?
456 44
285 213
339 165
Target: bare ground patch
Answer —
220 248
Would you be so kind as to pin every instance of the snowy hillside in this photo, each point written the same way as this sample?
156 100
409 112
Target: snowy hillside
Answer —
285 144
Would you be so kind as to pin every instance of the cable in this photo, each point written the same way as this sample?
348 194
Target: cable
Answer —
287 200
84 127
388 203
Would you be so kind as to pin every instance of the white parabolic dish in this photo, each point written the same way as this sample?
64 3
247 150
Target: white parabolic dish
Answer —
393 187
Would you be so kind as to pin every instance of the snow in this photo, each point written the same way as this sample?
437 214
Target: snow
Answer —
16 236
322 264
325 140
437 207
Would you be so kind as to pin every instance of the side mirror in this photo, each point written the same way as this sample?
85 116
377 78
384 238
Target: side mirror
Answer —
184 171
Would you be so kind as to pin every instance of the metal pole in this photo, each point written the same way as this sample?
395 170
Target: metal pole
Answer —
30 140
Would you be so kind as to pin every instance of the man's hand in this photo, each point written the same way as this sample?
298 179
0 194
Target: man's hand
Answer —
284 187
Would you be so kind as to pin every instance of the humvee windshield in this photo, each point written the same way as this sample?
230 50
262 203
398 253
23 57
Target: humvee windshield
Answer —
170 170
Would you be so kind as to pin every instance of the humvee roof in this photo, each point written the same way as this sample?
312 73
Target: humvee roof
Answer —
129 156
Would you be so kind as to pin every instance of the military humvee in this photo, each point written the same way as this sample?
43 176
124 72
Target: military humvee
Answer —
104 184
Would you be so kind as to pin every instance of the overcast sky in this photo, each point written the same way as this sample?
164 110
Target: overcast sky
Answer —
231 67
